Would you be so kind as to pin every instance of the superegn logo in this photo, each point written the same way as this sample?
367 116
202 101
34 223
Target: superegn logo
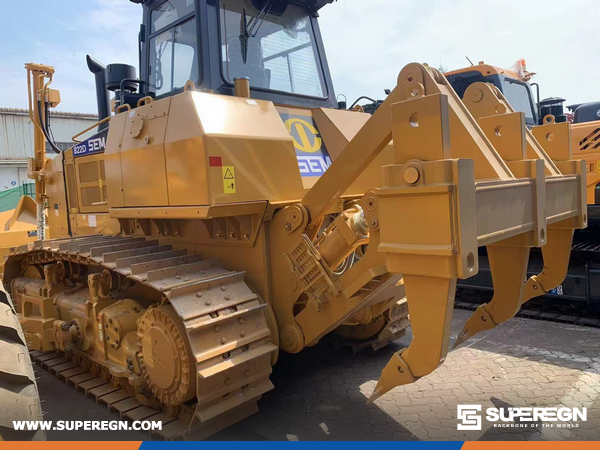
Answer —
522 417
469 417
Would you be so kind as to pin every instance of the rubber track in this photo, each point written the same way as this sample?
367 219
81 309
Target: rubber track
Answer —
19 398
224 320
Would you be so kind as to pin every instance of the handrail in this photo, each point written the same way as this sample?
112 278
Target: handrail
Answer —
124 106
77 141
144 101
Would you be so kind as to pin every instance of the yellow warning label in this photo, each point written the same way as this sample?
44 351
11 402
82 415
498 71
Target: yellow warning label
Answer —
228 179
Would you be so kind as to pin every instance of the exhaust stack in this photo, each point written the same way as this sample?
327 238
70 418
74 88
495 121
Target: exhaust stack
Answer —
102 96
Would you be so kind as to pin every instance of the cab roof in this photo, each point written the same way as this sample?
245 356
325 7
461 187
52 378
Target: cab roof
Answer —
312 6
485 70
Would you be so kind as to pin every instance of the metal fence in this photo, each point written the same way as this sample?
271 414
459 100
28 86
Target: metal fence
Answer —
10 197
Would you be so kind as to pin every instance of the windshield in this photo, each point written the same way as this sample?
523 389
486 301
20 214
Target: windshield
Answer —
518 96
281 53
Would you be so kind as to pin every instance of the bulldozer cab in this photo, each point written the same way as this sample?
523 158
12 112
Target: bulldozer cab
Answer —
274 43
517 92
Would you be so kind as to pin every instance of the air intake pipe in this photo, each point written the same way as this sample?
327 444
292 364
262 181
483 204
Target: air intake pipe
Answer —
102 96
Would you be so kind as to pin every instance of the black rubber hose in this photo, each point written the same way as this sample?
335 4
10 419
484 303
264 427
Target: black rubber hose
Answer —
364 97
44 130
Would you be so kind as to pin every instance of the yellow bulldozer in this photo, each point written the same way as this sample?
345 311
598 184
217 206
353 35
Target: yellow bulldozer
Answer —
581 287
228 210
515 84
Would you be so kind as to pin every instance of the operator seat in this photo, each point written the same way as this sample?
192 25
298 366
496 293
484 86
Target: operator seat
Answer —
254 67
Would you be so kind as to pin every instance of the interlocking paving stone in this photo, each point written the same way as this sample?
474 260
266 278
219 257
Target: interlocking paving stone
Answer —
321 393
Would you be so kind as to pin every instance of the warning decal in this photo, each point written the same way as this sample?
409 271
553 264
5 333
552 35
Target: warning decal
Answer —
228 179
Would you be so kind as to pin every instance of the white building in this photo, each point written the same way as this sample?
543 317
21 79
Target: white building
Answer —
16 140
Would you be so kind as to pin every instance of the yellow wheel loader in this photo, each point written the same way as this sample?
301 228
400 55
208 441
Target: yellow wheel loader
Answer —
18 226
581 287
252 216
515 85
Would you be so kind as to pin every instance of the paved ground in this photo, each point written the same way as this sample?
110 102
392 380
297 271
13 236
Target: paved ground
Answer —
321 393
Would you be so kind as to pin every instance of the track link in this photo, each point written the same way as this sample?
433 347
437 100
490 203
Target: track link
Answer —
224 321
547 315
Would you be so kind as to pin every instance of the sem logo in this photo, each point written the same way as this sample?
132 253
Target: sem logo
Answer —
469 417
313 165
97 144
303 133
313 157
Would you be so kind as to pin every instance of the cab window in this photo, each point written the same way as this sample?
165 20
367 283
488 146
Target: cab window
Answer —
518 95
170 12
281 54
173 46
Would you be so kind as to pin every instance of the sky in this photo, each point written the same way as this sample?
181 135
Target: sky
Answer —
367 42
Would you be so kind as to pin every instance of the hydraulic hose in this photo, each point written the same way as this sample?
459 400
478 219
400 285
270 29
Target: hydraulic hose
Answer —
364 97
44 130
